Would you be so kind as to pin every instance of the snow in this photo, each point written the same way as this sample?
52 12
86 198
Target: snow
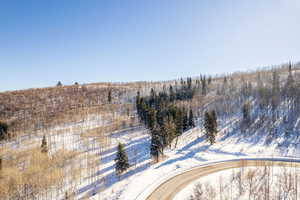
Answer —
143 177
225 178
193 150
137 147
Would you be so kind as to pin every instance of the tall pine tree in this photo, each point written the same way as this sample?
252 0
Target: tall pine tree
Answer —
210 125
44 146
246 112
170 130
109 98
3 130
191 119
185 119
121 160
156 148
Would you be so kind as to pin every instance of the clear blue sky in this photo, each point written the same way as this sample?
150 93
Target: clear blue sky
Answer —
42 42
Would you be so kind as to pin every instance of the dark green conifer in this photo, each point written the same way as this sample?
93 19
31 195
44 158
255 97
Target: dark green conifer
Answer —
156 148
44 147
191 119
210 125
121 160
3 130
109 97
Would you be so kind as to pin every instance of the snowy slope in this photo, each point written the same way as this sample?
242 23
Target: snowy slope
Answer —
193 150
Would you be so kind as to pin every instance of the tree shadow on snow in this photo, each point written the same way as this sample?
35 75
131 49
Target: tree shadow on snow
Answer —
191 154
134 144
189 145
111 179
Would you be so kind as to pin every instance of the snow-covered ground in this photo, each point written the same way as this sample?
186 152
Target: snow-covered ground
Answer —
226 184
137 144
192 150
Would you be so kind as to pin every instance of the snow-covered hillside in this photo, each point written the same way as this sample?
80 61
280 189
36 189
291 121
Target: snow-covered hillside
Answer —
193 150
256 115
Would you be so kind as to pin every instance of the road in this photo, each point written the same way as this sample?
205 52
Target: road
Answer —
168 189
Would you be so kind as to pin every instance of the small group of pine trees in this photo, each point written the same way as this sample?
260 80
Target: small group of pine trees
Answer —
165 120
58 84
210 125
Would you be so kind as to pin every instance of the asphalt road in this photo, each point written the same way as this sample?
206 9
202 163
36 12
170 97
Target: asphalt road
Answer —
168 189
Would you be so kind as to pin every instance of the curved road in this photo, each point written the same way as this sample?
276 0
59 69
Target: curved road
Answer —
168 189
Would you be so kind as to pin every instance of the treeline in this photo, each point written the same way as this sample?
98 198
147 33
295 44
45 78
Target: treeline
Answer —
163 117
35 110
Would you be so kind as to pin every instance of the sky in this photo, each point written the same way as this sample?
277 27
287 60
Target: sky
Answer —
43 42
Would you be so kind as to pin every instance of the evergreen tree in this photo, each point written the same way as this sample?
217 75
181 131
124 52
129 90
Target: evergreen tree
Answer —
203 84
210 125
209 80
156 147
66 196
275 94
151 118
109 96
138 103
181 81
191 119
3 130
178 121
246 112
189 83
59 83
160 117
185 120
172 94
152 97
289 86
214 121
121 160
170 130
44 147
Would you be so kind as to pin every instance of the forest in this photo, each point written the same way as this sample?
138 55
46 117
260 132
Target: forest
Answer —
53 140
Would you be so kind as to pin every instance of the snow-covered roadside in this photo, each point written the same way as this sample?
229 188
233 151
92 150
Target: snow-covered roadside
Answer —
226 186
193 151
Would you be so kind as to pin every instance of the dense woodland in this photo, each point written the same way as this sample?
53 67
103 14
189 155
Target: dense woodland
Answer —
266 101
163 117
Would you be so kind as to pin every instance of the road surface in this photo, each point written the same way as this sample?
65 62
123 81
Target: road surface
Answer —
168 189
